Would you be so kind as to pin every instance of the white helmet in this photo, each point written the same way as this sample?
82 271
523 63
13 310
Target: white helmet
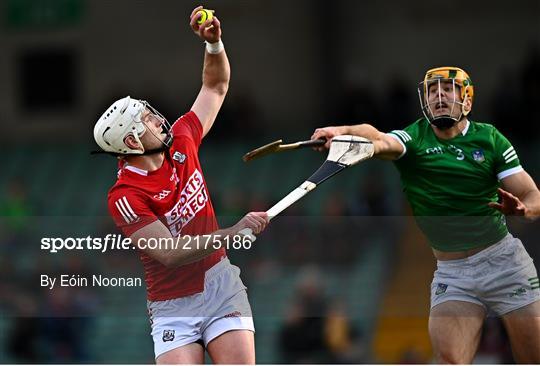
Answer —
121 119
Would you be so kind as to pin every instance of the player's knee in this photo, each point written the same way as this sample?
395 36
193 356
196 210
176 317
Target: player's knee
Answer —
443 358
448 352
451 356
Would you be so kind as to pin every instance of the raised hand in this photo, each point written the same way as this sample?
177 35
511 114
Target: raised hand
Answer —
210 30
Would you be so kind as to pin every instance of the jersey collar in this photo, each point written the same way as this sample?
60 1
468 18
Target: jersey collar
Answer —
167 162
136 170
467 125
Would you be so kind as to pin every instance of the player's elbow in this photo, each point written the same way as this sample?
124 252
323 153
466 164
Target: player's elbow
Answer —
177 260
532 202
172 262
168 262
221 88
165 257
218 90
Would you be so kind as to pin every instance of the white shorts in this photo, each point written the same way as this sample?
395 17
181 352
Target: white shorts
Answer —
501 278
222 306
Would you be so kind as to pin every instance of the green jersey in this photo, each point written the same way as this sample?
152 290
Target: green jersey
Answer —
449 183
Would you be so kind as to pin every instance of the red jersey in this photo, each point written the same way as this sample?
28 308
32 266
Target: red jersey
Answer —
176 194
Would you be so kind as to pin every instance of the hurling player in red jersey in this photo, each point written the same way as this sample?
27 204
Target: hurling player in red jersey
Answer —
196 299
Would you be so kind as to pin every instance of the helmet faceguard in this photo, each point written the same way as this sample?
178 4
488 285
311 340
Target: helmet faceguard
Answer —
165 125
124 118
444 81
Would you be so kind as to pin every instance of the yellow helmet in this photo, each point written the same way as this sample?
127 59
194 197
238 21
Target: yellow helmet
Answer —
456 76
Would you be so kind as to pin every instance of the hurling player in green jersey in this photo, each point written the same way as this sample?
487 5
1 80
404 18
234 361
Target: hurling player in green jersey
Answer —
461 178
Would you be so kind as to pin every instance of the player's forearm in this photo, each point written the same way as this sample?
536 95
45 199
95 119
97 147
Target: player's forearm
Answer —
532 201
216 72
362 130
174 251
195 248
383 147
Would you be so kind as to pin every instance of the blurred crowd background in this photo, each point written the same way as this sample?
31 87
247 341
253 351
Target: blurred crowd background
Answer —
344 276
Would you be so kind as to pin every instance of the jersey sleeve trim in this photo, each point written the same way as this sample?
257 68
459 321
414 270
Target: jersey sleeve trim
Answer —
509 155
125 209
509 172
403 135
395 137
129 210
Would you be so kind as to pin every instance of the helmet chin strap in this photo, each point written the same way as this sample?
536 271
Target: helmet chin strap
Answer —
147 152
154 151
164 147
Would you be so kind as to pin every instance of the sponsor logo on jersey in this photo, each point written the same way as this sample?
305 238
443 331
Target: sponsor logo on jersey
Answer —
441 288
478 155
434 150
168 335
126 211
164 193
179 157
193 199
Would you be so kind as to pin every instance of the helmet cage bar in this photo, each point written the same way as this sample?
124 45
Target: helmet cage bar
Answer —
167 128
428 107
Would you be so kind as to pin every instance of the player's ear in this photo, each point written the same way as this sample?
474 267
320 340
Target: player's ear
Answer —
131 142
467 104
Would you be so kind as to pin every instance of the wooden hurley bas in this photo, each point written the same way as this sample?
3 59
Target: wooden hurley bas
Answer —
278 146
